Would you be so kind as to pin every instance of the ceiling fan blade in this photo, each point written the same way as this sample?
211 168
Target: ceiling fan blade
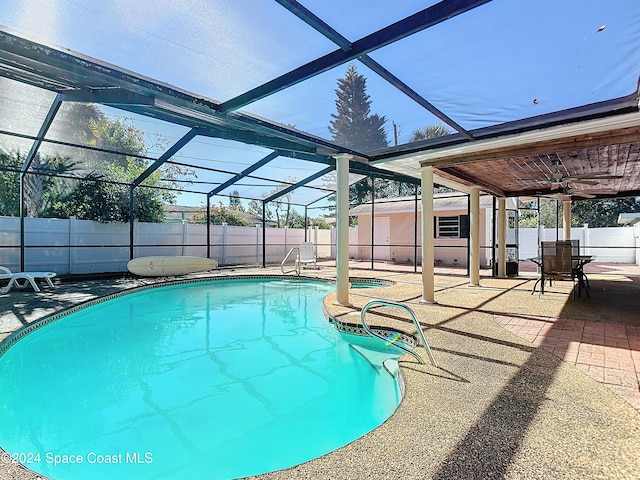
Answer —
583 194
556 194
602 191
594 176
583 182
590 193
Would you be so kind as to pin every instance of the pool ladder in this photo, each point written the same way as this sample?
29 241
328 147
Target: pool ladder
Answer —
391 303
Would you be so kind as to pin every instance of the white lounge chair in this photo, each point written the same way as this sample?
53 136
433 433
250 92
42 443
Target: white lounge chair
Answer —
21 279
306 255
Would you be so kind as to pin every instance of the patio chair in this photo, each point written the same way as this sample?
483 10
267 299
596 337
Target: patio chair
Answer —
578 267
556 263
575 248
306 255
22 279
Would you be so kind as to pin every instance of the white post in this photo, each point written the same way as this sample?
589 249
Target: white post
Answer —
136 236
332 240
587 240
258 243
185 236
428 283
541 236
636 237
502 237
72 242
286 239
342 224
223 260
474 233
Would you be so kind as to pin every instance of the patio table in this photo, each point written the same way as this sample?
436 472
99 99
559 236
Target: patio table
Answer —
579 261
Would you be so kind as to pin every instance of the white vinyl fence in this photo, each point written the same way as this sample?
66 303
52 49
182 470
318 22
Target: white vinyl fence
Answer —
71 246
609 245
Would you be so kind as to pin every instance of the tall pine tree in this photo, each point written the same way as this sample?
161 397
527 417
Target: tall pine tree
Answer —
352 126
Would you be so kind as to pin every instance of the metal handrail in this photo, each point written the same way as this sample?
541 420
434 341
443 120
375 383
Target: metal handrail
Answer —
391 303
297 264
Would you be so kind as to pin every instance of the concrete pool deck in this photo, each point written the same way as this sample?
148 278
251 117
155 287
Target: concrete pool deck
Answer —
501 404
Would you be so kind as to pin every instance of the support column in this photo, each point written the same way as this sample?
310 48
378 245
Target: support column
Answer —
502 237
474 233
428 257
566 218
342 229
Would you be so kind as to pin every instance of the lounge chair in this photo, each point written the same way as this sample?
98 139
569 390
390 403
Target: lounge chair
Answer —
306 255
21 279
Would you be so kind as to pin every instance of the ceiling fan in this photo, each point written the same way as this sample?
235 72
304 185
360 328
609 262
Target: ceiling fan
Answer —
564 185
557 179
568 191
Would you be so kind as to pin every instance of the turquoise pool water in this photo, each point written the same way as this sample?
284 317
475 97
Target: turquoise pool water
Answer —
213 380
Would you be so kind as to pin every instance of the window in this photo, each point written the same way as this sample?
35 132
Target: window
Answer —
452 227
448 227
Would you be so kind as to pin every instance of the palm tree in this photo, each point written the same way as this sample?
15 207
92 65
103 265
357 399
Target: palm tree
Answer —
42 183
430 131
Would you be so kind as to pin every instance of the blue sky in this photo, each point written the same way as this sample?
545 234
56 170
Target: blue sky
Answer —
502 61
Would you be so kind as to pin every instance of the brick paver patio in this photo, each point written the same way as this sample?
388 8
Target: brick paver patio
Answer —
607 352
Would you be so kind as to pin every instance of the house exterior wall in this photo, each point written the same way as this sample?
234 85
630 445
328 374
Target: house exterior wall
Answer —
402 238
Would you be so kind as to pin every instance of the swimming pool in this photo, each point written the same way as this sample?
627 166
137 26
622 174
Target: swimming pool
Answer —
218 379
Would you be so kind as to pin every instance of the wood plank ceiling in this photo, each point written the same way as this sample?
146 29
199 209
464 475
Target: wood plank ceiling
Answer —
595 165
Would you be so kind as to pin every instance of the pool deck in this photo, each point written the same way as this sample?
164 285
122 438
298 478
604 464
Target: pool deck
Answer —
527 387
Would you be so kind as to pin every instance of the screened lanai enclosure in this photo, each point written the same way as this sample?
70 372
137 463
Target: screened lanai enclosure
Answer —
295 113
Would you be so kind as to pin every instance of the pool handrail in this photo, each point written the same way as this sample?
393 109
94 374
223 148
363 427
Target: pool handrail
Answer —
391 303
297 264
